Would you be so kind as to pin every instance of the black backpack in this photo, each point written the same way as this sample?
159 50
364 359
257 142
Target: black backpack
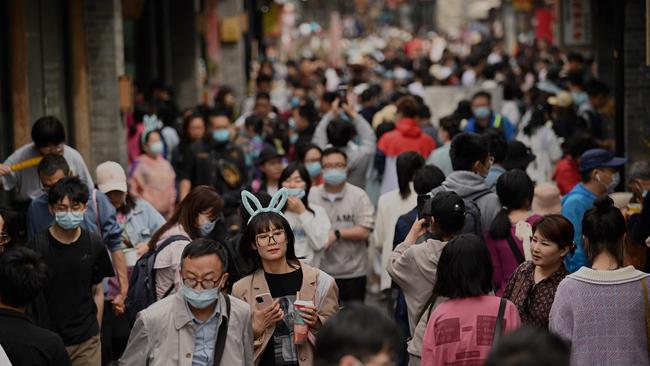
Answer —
142 284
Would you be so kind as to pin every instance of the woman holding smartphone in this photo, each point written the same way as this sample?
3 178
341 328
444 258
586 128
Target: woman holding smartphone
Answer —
278 281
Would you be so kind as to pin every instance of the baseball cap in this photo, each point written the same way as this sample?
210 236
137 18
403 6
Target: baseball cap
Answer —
600 158
519 156
268 153
111 177
445 206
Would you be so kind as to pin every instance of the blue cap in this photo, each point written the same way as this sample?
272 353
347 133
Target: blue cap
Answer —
599 158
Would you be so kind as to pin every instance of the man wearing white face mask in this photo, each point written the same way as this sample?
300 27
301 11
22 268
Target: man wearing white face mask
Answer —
199 325
598 168
78 262
352 216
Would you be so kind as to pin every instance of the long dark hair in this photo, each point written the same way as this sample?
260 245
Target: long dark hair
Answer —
187 120
515 190
407 164
304 175
604 228
129 204
262 223
464 268
200 199
537 120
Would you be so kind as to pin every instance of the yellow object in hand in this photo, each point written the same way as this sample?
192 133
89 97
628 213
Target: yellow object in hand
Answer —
26 164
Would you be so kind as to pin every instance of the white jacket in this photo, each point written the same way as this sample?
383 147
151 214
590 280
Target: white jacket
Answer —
545 144
389 208
311 231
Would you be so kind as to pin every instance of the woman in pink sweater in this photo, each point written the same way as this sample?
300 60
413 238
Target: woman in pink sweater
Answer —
152 177
515 190
461 329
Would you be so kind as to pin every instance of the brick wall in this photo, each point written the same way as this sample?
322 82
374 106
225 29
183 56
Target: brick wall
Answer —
637 83
105 60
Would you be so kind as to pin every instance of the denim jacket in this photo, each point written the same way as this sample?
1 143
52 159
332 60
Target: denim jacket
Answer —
39 219
142 222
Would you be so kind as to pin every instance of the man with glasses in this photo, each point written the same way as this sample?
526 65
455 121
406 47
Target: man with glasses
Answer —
77 262
48 136
198 325
353 218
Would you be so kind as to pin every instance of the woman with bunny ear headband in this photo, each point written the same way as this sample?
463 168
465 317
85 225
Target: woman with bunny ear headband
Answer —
269 241
152 177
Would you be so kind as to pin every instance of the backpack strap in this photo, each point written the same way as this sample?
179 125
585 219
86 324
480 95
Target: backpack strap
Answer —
97 218
427 307
498 327
162 246
221 336
647 312
170 240
515 249
480 194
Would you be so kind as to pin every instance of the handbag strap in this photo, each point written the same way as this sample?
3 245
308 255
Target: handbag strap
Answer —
221 336
498 327
97 218
515 249
647 312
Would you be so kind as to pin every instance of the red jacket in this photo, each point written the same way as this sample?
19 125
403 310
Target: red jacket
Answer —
567 175
407 136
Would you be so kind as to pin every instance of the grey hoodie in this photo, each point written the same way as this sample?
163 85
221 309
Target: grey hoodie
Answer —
469 185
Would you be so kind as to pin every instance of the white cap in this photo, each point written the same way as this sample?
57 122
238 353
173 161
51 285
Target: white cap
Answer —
111 177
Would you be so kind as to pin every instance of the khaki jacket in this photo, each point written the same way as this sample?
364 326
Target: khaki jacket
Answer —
316 285
163 334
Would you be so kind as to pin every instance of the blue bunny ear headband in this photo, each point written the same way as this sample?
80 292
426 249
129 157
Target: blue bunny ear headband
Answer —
276 205
151 123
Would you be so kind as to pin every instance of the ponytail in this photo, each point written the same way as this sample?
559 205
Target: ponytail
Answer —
500 228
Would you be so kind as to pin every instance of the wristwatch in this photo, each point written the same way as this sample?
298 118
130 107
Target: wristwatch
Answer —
337 233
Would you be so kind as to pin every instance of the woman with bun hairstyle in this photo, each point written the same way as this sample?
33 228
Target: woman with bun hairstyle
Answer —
601 310
278 280
532 287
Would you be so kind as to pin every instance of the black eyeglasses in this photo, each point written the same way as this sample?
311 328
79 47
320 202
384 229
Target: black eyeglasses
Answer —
205 284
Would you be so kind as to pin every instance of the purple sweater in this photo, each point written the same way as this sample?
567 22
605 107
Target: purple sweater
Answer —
602 314
504 262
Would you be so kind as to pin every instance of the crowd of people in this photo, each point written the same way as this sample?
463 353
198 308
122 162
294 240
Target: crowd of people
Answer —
248 232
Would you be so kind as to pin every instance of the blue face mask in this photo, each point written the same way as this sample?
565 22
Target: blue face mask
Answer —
296 192
200 299
156 147
221 135
481 112
207 227
313 169
579 98
69 220
335 177
293 139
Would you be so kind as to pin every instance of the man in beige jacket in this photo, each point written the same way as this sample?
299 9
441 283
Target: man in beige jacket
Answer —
199 325
414 267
